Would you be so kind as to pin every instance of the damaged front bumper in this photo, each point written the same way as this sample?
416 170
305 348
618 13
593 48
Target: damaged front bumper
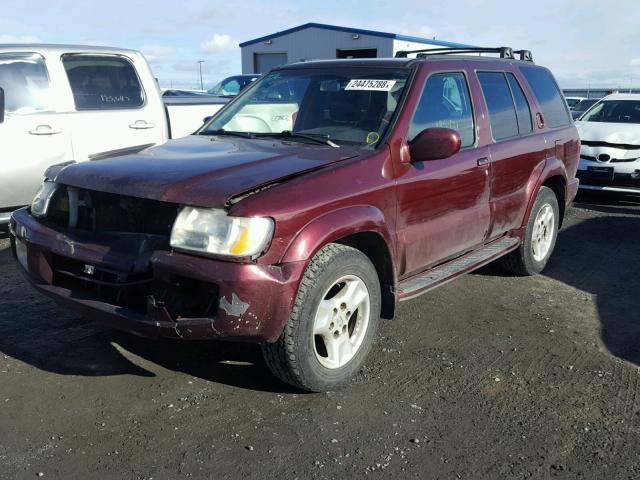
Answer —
133 282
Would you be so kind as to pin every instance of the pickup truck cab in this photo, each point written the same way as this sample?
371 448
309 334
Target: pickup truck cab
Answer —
310 205
65 103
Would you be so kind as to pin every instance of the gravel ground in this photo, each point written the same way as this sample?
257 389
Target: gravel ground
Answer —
488 377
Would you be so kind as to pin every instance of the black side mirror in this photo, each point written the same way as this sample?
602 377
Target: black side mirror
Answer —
1 105
434 144
206 119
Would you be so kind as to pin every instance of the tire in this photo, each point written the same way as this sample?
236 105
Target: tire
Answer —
309 360
524 260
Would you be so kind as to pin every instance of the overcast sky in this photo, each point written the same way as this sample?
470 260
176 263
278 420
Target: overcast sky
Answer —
586 41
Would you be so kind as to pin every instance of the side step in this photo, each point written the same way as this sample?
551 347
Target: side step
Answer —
425 281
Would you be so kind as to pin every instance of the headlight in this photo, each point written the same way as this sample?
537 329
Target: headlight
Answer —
41 201
213 231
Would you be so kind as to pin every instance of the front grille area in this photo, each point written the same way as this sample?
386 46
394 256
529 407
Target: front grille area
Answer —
102 212
181 297
611 160
596 179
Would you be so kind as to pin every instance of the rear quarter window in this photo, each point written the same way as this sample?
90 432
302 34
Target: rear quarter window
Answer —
548 94
103 82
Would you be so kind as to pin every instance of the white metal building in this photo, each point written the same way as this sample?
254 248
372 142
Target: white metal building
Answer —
316 41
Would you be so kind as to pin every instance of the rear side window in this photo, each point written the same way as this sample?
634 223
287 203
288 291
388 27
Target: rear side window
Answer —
103 82
548 94
25 81
523 111
445 103
502 112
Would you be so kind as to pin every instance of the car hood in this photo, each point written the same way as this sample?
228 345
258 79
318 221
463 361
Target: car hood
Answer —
615 133
202 170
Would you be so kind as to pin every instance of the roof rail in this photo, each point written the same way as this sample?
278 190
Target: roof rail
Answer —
505 52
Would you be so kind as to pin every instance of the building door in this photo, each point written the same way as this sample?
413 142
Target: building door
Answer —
357 53
263 62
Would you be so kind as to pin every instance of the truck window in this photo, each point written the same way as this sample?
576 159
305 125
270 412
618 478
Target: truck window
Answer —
103 82
445 103
25 82
502 111
523 111
548 94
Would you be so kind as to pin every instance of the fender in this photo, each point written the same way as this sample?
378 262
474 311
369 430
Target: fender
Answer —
333 226
551 167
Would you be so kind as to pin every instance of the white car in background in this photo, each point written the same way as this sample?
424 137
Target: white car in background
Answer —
610 152
68 103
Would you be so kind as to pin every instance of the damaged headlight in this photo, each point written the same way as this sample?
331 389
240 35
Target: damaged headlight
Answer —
41 201
212 231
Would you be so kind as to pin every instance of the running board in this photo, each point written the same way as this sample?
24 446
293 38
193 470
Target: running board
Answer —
423 282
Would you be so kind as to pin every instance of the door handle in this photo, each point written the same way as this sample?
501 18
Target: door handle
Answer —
141 125
482 162
44 130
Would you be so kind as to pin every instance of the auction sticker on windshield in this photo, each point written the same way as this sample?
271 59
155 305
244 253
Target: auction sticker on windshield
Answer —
371 85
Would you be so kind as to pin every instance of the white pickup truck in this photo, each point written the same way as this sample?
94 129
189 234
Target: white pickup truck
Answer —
61 103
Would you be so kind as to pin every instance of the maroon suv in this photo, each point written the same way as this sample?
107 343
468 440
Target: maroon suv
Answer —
304 210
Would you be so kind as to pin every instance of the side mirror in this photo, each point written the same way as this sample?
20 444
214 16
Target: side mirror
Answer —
1 105
206 119
434 144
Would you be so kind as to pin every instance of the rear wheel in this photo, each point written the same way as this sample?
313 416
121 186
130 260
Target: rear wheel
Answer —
333 323
540 236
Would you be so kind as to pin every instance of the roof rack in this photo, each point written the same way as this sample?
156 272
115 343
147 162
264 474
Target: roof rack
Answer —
505 52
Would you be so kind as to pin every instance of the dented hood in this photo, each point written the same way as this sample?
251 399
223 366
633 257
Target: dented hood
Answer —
616 133
201 170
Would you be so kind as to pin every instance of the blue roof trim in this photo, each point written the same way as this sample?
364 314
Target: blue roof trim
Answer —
354 30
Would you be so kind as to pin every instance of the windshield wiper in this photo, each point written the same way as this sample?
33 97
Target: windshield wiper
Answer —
222 131
314 137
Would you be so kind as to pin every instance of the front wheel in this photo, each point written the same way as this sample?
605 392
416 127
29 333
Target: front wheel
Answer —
333 323
540 236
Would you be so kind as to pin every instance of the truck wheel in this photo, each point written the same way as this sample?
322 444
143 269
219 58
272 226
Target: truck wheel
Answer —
540 236
333 323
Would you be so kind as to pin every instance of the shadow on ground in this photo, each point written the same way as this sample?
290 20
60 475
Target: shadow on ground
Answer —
36 331
599 255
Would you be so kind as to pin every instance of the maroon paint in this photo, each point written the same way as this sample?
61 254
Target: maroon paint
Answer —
425 211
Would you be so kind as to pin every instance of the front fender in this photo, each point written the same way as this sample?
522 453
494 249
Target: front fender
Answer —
333 226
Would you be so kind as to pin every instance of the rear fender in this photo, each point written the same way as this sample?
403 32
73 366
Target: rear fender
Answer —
552 167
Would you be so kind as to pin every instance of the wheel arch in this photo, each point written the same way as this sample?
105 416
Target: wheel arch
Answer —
362 227
553 176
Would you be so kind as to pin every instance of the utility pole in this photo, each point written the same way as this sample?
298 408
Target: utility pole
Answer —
200 62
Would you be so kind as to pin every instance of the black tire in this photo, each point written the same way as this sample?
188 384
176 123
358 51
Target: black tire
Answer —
292 358
522 261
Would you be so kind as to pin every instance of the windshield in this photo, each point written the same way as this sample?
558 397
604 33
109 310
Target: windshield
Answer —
584 105
352 106
614 111
572 101
231 86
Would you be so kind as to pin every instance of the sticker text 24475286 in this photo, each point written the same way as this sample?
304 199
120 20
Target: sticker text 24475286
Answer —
371 85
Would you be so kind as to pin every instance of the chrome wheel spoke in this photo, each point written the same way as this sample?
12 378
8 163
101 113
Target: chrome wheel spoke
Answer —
323 318
542 234
341 322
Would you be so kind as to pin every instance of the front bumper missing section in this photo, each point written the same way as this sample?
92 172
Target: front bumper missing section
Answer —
138 290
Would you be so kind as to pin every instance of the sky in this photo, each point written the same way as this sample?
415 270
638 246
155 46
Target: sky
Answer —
585 43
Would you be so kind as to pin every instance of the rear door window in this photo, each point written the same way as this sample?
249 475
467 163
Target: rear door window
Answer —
445 103
523 111
548 94
103 82
24 79
502 111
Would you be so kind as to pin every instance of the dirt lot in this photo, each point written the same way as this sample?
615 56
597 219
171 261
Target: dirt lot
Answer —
488 377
